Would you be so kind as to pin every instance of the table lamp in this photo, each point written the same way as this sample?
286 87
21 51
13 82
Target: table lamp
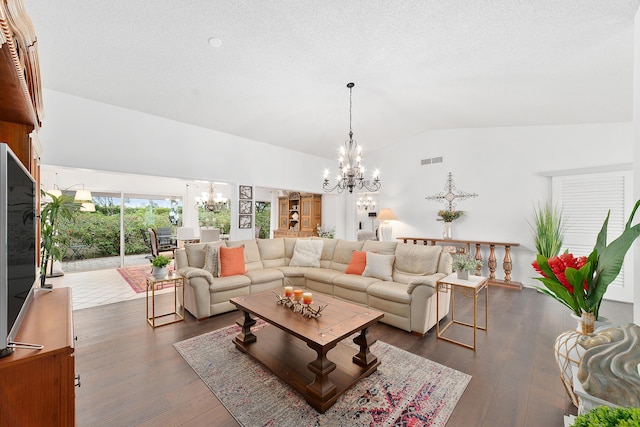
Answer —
385 216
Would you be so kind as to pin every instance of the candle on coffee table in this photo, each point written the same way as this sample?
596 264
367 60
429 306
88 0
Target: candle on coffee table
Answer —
288 291
297 295
307 298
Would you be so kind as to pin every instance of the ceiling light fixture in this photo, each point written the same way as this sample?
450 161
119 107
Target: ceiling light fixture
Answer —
215 42
366 202
351 173
213 202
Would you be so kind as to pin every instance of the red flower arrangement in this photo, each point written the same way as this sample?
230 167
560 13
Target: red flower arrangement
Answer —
559 265
579 283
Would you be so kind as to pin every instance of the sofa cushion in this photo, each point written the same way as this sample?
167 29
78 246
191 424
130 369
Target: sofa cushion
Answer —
323 275
327 251
227 283
357 264
307 253
392 291
379 266
212 257
293 271
195 254
342 254
383 248
252 259
232 261
271 252
264 275
289 245
415 260
355 282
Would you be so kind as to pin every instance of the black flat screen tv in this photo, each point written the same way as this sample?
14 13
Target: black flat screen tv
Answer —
17 244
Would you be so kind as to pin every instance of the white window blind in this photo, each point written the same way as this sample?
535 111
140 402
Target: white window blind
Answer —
585 200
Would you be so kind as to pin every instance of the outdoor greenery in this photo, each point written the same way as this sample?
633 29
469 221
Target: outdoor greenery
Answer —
97 234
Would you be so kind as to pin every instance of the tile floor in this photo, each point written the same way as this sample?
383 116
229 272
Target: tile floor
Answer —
100 286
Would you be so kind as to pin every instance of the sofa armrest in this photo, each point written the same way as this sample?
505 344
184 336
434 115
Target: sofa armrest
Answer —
425 281
191 272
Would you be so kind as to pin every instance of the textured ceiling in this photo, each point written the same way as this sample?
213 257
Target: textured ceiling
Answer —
280 74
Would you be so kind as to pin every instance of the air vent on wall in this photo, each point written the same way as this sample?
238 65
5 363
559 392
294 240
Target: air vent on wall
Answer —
431 160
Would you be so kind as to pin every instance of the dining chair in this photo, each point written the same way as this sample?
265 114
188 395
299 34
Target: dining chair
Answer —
209 235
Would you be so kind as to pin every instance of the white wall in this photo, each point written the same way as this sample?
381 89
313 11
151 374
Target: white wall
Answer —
81 133
505 166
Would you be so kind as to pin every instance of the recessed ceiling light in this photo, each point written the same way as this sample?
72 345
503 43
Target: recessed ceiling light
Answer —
215 42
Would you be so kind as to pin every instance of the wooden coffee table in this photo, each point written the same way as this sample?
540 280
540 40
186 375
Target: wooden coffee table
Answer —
316 364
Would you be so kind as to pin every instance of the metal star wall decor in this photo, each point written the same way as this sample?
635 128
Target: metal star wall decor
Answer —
451 195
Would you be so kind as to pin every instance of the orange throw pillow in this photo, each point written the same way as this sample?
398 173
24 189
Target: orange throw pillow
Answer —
231 261
358 263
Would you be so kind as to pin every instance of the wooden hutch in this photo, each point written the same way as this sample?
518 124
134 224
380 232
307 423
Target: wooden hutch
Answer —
36 386
299 215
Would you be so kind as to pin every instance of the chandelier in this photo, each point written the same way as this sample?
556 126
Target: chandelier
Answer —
351 173
366 203
213 202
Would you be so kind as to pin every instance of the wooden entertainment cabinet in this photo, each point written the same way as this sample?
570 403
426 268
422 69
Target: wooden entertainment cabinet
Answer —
299 215
37 387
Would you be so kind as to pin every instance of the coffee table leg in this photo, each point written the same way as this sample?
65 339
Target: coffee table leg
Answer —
321 388
364 358
245 336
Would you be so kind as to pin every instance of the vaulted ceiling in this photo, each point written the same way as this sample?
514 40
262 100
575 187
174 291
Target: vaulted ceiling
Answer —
280 71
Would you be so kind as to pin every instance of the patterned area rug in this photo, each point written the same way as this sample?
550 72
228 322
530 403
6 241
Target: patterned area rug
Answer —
136 276
406 390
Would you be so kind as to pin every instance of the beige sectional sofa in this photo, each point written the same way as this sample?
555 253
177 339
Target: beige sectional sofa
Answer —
408 300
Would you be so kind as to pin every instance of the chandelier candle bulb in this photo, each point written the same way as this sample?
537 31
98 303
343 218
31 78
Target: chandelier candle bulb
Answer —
307 298
288 291
297 295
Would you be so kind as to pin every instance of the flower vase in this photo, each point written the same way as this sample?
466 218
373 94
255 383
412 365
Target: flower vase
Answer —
569 354
447 231
463 274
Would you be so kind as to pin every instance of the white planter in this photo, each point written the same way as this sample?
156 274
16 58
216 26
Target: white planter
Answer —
159 272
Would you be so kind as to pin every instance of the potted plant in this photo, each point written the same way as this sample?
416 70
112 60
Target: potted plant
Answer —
159 264
604 416
62 206
464 264
548 228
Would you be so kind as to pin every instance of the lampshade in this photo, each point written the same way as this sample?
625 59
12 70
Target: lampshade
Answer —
83 196
386 214
54 192
87 207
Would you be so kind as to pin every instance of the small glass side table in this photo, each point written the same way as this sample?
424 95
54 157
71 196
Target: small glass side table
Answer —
469 288
154 285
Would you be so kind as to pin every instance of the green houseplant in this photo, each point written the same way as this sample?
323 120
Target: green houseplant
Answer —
604 416
449 216
59 207
548 229
159 264
465 264
579 283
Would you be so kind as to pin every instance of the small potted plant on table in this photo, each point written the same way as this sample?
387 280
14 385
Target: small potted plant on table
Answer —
464 264
159 264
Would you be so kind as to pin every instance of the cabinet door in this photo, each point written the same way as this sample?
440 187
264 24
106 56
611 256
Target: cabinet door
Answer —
306 210
283 213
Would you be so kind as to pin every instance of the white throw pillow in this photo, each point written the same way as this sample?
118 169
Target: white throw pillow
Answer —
307 253
379 266
212 258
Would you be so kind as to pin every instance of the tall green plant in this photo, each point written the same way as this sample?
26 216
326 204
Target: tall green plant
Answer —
62 206
548 229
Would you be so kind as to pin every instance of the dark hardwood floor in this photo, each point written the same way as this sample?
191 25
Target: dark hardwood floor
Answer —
132 375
